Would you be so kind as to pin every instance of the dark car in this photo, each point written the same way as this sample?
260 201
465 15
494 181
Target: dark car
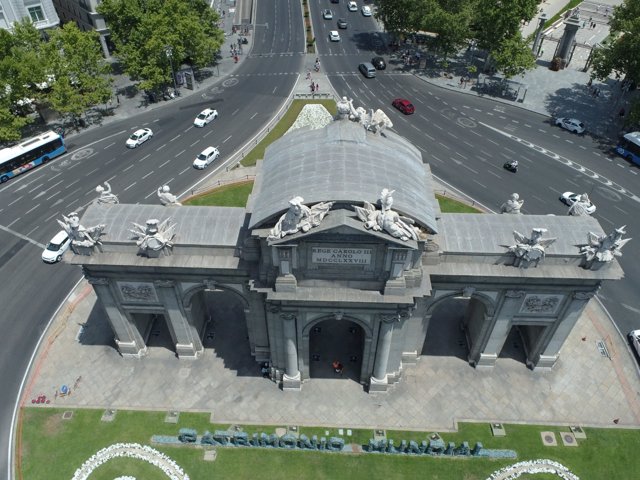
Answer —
335 1
379 63
342 23
404 105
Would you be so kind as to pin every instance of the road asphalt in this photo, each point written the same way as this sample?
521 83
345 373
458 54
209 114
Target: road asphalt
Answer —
594 382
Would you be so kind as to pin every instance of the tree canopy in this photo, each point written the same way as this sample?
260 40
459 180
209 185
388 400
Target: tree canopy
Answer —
621 54
151 35
67 72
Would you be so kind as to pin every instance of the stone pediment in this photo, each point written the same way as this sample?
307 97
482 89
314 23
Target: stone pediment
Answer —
342 223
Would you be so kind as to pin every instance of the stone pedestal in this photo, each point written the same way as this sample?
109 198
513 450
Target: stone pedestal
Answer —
486 360
291 383
131 349
545 362
286 283
377 385
187 351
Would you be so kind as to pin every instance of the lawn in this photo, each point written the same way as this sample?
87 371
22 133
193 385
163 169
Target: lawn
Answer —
234 195
282 126
52 448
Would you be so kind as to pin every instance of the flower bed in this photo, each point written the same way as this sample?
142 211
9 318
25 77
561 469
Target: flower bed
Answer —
531 467
131 450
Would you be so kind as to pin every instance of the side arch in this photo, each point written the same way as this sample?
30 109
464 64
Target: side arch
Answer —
362 324
486 300
188 294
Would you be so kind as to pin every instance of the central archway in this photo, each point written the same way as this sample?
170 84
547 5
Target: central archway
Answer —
331 340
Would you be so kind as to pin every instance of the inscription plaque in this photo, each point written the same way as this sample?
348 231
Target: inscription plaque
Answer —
341 256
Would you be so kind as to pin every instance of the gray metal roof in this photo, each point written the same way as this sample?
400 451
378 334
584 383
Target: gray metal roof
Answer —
204 226
343 163
487 233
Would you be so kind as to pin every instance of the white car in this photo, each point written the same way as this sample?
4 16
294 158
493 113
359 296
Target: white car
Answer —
353 6
366 11
634 337
327 14
55 249
334 36
205 158
139 137
204 117
569 198
572 124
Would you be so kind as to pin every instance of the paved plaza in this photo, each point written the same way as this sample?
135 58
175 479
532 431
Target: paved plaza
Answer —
585 387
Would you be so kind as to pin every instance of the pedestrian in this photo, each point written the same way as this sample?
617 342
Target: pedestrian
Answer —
317 87
313 88
590 82
118 99
235 59
621 112
308 74
461 81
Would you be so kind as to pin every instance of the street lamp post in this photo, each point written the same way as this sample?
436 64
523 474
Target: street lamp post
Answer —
169 51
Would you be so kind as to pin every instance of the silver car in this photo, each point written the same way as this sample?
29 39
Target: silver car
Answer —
572 124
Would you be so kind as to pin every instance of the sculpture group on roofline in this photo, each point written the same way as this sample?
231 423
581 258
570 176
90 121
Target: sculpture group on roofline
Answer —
299 217
155 238
387 219
530 250
106 197
604 248
81 237
167 198
373 121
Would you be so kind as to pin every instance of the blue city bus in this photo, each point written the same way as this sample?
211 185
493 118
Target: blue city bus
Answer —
29 154
629 147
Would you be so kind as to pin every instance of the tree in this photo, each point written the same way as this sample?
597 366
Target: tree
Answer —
22 74
513 56
621 54
80 72
496 21
145 31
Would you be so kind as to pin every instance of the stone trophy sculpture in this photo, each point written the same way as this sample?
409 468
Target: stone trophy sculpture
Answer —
82 239
579 208
604 248
373 121
299 217
530 250
386 219
513 205
155 238
167 198
106 197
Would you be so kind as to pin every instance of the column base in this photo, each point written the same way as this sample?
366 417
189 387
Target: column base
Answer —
131 349
545 362
486 360
410 358
187 351
291 383
376 385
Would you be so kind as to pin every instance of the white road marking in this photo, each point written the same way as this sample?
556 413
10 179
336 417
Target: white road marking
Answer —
23 237
163 164
147 175
130 186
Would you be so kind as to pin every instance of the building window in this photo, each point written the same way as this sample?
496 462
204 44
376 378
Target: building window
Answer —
36 13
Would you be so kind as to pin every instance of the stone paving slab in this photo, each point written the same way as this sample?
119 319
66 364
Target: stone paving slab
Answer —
584 388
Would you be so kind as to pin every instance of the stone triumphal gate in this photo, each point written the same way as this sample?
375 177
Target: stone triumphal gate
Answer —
365 259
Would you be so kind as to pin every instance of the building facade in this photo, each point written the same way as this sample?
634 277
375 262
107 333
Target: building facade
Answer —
84 14
41 12
364 269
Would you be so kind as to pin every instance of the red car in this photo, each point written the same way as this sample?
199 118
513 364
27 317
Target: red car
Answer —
404 105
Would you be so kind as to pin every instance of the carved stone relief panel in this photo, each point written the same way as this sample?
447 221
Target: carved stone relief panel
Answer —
138 292
541 303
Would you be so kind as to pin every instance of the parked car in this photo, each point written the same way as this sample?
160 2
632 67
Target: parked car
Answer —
205 158
366 11
569 198
55 249
139 137
572 124
353 6
342 23
204 117
634 339
327 14
334 36
379 63
404 105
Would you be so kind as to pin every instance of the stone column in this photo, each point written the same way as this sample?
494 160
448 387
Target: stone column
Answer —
184 334
572 24
378 381
537 42
291 380
127 337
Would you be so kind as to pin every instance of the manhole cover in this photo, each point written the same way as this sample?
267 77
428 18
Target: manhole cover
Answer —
568 438
548 438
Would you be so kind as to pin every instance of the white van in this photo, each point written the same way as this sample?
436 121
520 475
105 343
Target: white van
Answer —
56 247
367 69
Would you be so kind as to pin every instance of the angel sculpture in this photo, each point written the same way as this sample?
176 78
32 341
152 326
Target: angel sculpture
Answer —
167 198
513 205
79 235
603 248
155 236
378 121
299 217
530 249
580 206
386 219
105 194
